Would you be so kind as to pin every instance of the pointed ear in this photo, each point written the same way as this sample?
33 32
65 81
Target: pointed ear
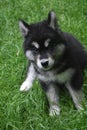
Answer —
52 20
24 27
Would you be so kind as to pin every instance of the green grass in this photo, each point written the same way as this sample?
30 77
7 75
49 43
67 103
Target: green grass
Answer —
28 111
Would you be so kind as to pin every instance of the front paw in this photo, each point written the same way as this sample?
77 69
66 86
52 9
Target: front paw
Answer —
54 110
25 86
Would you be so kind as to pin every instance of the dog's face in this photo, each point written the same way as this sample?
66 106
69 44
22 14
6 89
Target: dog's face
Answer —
43 43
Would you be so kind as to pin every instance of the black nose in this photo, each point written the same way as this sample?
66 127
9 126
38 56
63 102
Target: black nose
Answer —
44 64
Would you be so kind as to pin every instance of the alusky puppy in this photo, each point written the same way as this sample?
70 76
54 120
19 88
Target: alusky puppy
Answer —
57 59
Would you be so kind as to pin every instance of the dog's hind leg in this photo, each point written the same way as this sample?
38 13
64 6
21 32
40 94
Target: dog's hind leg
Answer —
75 88
76 95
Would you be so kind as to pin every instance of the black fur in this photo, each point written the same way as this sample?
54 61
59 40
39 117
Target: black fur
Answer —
74 56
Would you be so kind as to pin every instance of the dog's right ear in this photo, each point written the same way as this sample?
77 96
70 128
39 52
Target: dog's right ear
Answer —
52 20
24 27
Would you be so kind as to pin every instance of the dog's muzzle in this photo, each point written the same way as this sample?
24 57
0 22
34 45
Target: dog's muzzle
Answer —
45 64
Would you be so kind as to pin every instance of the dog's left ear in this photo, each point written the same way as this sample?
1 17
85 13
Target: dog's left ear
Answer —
52 20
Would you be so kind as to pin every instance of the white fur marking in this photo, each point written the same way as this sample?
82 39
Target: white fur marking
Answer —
39 62
51 61
27 84
29 55
61 78
35 44
46 43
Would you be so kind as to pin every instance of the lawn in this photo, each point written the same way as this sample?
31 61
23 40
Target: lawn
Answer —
29 110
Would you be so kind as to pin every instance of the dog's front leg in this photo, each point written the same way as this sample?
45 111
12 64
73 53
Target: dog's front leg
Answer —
52 96
53 99
27 84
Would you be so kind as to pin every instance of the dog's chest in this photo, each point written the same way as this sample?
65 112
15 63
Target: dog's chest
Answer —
62 77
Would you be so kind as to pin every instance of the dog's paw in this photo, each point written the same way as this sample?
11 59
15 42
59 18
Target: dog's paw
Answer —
25 86
79 107
54 110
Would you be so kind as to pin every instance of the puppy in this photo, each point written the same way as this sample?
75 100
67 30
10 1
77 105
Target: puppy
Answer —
57 59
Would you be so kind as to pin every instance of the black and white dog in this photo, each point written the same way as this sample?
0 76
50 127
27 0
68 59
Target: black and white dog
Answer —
56 58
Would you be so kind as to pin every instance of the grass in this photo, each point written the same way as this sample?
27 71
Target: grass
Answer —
28 111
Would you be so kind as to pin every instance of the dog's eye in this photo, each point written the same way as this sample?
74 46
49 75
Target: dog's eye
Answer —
35 50
34 47
52 45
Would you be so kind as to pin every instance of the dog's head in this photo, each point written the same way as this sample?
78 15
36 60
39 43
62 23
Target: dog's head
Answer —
43 43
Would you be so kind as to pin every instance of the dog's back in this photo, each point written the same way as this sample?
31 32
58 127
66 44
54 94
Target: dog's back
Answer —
75 51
